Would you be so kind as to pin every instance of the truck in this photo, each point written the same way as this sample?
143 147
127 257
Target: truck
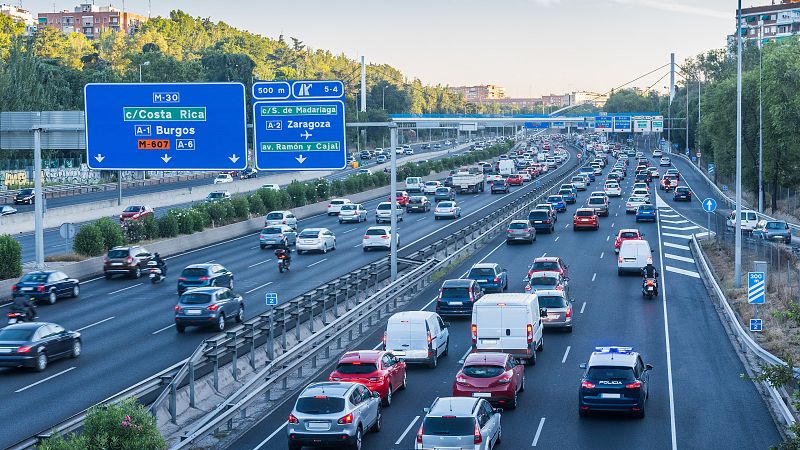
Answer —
465 181
506 167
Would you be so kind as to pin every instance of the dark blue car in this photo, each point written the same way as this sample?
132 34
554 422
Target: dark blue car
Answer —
569 195
204 275
558 202
540 220
490 276
589 173
646 213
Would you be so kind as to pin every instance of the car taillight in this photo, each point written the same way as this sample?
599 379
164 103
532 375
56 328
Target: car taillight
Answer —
634 385
105 259
419 435
619 259
587 385
24 349
262 236
559 288
40 288
547 221
203 278
283 221
378 380
529 330
329 205
505 379
474 333
346 419
14 288
182 279
128 260
430 338
384 237
177 308
460 379
569 312
478 437
384 339
496 279
213 307
292 419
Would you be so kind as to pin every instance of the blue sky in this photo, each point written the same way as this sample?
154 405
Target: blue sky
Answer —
531 47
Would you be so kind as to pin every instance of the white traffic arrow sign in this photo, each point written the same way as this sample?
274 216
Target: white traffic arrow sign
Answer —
99 157
233 158
300 159
166 158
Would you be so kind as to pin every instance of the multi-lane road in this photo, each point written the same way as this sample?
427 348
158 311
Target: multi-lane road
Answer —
128 325
697 398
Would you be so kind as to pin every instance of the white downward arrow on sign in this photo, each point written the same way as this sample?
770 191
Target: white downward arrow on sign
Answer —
233 158
300 159
99 157
166 158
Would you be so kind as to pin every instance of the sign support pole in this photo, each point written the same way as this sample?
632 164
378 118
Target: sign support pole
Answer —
38 200
393 199
119 188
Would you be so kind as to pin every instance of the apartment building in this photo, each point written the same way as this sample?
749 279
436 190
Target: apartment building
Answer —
90 20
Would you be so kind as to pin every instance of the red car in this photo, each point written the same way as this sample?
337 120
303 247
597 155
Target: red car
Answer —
547 264
497 377
585 218
378 370
627 234
514 180
135 212
402 198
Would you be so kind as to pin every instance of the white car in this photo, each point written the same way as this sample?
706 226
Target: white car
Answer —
280 218
644 193
578 182
447 209
336 204
398 150
658 154
352 212
634 203
492 177
526 176
383 213
613 190
378 237
641 186
223 178
408 151
271 187
431 186
664 162
315 239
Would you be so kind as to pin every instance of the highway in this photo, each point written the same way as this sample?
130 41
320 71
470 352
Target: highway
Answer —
128 327
697 398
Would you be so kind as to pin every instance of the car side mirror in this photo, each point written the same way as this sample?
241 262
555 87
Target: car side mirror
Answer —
376 394
652 250
582 365
426 410
446 324
649 366
542 312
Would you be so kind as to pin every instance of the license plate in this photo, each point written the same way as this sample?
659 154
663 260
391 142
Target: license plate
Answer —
553 316
455 303
481 394
7 350
396 353
27 289
538 221
609 395
116 264
318 426
193 312
489 341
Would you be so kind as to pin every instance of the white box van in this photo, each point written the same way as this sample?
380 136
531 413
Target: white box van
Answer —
633 256
506 167
417 337
414 184
509 323
749 220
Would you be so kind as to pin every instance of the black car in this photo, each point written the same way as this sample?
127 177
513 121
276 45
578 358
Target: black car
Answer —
448 182
25 196
643 178
35 344
426 146
456 297
248 173
615 379
204 275
682 193
47 285
418 203
365 154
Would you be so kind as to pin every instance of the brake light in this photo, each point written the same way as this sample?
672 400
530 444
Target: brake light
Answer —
203 278
478 437
378 380
366 237
461 380
529 329
128 260
430 339
547 221
569 312
177 308
587 385
419 435
474 333
634 385
346 419
24 349
182 279
213 307
619 259
40 288
496 279
384 339
505 379
384 237
292 419
329 205
14 288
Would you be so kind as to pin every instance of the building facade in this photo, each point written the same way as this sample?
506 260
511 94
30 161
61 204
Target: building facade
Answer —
20 15
583 97
480 93
770 23
91 20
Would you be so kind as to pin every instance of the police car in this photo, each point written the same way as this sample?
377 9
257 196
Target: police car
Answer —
616 379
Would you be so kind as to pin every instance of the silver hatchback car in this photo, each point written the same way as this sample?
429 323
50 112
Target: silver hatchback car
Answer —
520 230
558 307
277 234
333 414
460 423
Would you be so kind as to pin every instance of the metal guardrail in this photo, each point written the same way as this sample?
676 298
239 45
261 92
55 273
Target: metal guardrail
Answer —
746 342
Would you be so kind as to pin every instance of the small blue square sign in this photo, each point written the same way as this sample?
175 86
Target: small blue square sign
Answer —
756 325
272 298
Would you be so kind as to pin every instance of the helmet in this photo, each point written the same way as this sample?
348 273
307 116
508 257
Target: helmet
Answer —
157 255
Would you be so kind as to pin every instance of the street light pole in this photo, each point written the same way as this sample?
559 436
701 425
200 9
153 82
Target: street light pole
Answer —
737 258
760 124
393 200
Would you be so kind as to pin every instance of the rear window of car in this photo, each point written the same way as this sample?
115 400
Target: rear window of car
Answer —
518 226
319 405
629 235
309 233
337 202
552 301
118 253
483 371
554 198
348 207
16 334
194 272
611 373
584 213
455 292
415 200
597 201
647 208
565 192
34 278
274 216
383 206
272 230
442 190
538 215
446 204
777 225
356 368
376 232
132 209
478 272
580 179
448 426
544 281
190 298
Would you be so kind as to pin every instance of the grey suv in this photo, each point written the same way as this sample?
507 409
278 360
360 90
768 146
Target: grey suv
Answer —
332 414
460 422
210 306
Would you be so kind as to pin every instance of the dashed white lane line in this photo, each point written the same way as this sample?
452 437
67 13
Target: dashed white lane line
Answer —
678 258
125 289
583 307
544 254
675 221
557 238
670 215
405 432
607 238
254 247
259 263
612 224
318 262
96 323
566 353
348 231
358 245
691 227
679 236
538 433
259 287
464 356
163 329
678 246
602 254
566 226
594 276
43 380
272 435
682 271
421 218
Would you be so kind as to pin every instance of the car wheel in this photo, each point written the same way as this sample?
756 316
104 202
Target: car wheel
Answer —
76 290
433 362
366 249
325 248
405 381
76 349
52 297
446 347
263 247
640 414
532 360
221 322
540 347
522 386
514 401
41 362
582 413
357 441
240 315
376 428
388 400
340 221
137 273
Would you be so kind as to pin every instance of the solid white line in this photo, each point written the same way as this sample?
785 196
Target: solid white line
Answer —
681 236
259 287
125 289
678 258
45 379
602 254
538 432
165 328
464 357
320 261
564 359
683 272
594 276
670 215
272 435
400 439
96 323
557 238
612 224
678 246
94 279
259 263
583 307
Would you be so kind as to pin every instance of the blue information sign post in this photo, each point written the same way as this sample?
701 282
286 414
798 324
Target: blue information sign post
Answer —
756 295
299 125
271 298
709 206
166 126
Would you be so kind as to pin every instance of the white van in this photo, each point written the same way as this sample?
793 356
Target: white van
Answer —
633 256
509 323
417 337
414 184
749 220
506 167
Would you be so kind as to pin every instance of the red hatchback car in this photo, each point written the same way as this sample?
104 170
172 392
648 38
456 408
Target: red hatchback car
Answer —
626 234
547 264
585 218
378 370
402 198
497 377
135 212
514 180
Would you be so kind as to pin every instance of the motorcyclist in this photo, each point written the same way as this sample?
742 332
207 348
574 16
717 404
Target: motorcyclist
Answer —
161 264
23 305
285 252
649 272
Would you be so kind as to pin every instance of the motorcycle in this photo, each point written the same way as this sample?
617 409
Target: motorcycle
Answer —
649 288
283 263
18 315
157 275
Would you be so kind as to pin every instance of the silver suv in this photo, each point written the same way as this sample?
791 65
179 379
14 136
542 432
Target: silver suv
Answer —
333 413
460 422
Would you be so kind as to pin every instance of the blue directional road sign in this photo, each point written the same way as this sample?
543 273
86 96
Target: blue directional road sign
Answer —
604 123
271 298
756 325
756 288
166 126
299 125
709 205
711 169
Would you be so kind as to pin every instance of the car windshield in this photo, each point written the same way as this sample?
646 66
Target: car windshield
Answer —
34 278
16 334
115 254
451 292
194 272
272 230
319 404
481 272
26 192
133 209
544 281
584 213
518 226
552 301
682 190
356 368
216 195
483 371
274 216
448 426
309 234
377 232
610 373
191 298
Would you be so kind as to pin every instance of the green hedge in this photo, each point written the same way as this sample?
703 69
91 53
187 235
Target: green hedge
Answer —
10 257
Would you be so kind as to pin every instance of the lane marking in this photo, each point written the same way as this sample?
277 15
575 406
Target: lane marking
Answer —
544 254
538 433
678 246
422 218
583 307
564 359
125 289
272 435
259 287
594 276
43 380
408 428
464 356
691 227
675 221
680 236
96 323
348 231
259 263
94 279
602 254
165 328
254 247
682 271
607 238
320 261
670 215
612 224
557 238
209 261
566 226
678 258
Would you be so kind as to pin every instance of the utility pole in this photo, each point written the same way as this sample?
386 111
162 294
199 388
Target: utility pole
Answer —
393 200
760 124
737 258
671 95
38 201
363 98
